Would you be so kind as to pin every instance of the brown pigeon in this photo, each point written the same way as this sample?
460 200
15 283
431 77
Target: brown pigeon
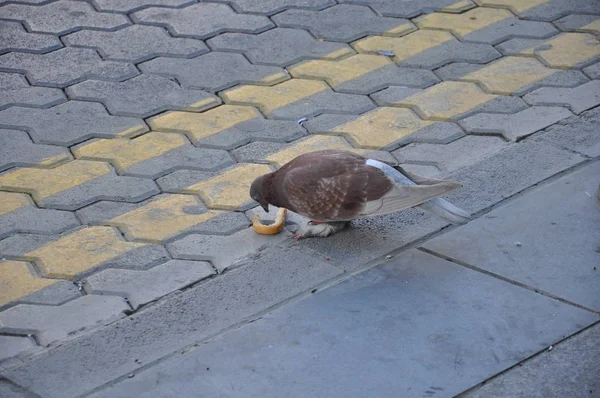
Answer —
332 187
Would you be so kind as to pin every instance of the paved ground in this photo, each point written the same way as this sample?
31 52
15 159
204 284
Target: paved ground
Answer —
131 130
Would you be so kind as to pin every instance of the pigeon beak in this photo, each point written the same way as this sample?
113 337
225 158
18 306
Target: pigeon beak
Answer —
265 206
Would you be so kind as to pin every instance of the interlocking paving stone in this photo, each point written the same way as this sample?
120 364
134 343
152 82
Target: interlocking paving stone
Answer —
134 5
153 154
579 134
363 74
51 323
70 123
62 16
577 99
270 7
580 23
143 96
544 10
14 90
57 293
310 144
13 37
180 179
18 280
13 345
565 51
65 66
593 71
202 20
75 184
256 152
214 71
279 46
297 98
428 49
412 8
486 25
515 126
343 22
18 214
16 149
453 156
136 43
142 287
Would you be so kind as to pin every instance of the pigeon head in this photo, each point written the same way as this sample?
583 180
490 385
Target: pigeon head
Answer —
257 192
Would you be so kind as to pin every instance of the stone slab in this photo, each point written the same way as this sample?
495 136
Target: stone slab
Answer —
579 134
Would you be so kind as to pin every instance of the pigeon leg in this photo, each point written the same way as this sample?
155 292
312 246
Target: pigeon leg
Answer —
322 229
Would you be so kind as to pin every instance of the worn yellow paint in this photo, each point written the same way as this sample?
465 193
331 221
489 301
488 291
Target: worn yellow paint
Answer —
163 218
123 153
229 190
463 24
404 47
42 183
132 132
17 280
54 161
381 127
310 144
593 27
206 103
337 54
516 6
567 50
274 78
338 72
273 97
80 251
509 75
402 29
10 202
447 100
201 125
459 6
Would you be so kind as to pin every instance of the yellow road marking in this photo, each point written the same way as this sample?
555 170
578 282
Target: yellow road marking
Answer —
18 280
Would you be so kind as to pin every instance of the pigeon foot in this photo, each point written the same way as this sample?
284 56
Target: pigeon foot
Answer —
317 229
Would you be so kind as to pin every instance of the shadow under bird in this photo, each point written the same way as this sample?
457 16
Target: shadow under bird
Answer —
333 187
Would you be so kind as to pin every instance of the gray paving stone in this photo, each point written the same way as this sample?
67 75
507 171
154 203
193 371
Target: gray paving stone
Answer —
422 169
568 370
270 7
579 134
409 8
70 123
17 150
555 252
393 94
52 324
390 75
453 156
180 179
256 151
214 71
14 90
65 67
577 99
55 294
13 345
593 71
136 43
10 390
143 96
278 47
343 22
142 287
61 17
376 334
577 23
13 37
515 126
171 324
134 5
32 219
554 9
202 20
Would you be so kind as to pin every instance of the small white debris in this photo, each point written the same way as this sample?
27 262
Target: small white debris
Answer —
286 71
387 53
518 244
388 257
588 194
550 348
80 285
302 120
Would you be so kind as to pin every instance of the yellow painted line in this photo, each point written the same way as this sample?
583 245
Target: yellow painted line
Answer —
446 100
567 50
463 24
10 202
163 218
517 6
201 125
56 160
123 153
42 183
337 54
17 280
404 47
229 190
338 72
509 75
80 251
593 27
401 30
207 103
382 126
310 144
132 132
273 97
274 78
459 7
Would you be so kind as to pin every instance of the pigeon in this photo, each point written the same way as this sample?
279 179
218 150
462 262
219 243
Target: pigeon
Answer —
333 187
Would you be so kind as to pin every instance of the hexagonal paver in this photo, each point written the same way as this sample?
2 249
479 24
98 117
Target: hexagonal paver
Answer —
593 71
297 98
565 51
62 16
279 47
486 25
16 149
202 20
70 123
134 5
64 67
577 99
13 37
214 71
150 42
580 23
427 49
143 96
14 90
153 155
343 23
544 10
363 74
413 8
270 7
18 280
